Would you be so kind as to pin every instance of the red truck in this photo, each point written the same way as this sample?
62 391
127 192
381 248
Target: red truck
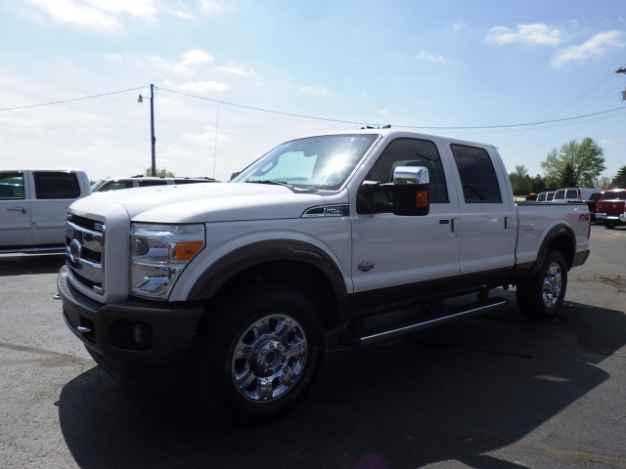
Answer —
611 208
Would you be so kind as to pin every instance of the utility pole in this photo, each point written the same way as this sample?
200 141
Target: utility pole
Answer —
622 70
152 137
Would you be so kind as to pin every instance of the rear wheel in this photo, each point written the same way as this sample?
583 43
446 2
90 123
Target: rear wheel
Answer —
265 349
541 294
609 225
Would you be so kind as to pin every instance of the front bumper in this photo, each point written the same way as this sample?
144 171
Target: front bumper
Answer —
131 332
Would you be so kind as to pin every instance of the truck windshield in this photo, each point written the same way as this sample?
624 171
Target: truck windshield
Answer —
322 162
609 195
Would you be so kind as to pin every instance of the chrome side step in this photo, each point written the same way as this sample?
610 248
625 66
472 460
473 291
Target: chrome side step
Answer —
370 339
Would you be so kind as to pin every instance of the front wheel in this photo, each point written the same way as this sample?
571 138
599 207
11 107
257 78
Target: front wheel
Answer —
268 343
609 225
541 294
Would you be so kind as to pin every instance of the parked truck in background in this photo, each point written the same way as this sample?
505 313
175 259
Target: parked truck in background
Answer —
345 238
611 208
33 207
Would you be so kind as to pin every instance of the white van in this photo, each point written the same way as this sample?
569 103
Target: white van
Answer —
33 208
575 194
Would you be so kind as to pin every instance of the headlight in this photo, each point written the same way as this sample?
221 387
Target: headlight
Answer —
158 255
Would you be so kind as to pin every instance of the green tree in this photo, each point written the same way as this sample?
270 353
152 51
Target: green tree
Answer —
162 173
619 180
539 184
568 177
520 181
586 160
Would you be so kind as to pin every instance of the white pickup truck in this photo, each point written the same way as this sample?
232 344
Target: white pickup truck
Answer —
344 238
33 207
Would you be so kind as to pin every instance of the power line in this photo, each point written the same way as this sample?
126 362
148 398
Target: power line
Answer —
262 109
71 100
322 118
438 127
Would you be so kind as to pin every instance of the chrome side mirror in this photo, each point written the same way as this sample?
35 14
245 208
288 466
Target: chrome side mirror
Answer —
411 175
411 191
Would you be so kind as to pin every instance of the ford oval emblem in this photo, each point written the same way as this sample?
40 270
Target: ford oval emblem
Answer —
75 249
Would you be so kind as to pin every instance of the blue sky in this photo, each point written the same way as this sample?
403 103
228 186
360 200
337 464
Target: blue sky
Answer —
432 63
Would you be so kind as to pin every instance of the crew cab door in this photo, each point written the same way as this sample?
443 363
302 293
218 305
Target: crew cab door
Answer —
390 250
487 223
54 192
15 214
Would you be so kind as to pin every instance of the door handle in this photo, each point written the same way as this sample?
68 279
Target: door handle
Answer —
21 210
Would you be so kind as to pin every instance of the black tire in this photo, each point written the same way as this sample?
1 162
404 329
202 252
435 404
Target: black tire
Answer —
530 292
234 316
609 225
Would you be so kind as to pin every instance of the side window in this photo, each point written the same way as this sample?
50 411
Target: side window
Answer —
412 152
11 186
571 194
478 176
559 195
115 185
152 183
56 185
541 197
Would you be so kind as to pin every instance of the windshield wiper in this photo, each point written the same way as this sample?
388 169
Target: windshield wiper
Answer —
279 182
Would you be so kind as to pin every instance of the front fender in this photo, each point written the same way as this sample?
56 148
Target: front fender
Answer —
219 263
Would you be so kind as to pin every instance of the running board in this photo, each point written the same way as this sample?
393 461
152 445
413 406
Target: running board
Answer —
392 333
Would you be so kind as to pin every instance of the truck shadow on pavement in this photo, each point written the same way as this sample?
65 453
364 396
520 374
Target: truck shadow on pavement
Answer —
451 393
27 265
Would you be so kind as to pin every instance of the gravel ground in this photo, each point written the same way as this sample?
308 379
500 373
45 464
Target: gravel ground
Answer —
495 392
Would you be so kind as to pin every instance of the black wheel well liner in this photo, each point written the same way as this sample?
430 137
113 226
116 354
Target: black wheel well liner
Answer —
288 262
560 238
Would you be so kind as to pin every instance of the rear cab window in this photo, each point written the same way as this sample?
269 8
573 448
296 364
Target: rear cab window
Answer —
12 186
613 195
56 185
152 183
478 175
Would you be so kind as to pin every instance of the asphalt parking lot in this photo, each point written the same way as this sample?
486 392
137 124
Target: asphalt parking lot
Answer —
494 392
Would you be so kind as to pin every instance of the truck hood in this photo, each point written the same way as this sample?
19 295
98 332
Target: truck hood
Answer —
201 203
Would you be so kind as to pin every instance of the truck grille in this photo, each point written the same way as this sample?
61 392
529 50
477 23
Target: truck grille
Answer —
84 242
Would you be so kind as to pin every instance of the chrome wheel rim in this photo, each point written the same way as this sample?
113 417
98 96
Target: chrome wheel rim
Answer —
269 358
552 285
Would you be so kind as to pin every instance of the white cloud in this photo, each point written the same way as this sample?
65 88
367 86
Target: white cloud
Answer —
206 137
211 7
183 11
203 87
236 69
187 65
102 15
528 34
78 14
596 46
144 9
459 26
196 57
430 57
314 90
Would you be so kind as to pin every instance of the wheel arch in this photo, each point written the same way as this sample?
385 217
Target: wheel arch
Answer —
287 261
560 238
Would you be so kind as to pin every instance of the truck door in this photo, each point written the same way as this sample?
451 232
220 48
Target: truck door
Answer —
15 221
487 222
390 250
54 192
